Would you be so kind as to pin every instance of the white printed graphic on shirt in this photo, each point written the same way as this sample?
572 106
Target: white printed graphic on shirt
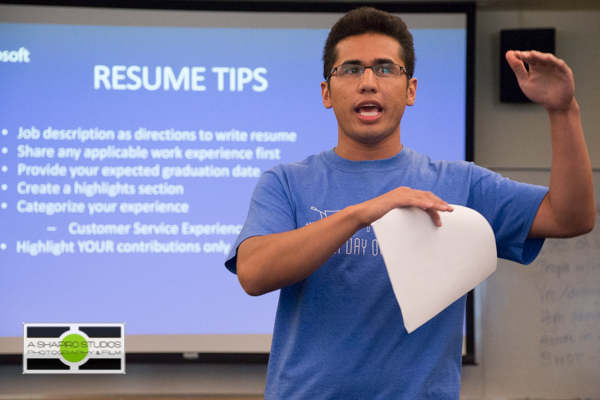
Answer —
355 245
325 213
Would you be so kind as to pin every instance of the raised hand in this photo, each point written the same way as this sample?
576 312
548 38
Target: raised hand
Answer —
548 82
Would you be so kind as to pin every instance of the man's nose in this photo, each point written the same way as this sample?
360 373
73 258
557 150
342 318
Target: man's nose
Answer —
368 80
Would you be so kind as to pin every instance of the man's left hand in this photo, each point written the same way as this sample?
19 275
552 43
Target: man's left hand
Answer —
548 82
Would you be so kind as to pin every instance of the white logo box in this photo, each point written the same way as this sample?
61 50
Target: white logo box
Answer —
74 348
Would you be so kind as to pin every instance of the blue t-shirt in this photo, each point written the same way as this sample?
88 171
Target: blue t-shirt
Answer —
339 333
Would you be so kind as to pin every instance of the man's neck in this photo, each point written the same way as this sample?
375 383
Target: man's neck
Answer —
354 151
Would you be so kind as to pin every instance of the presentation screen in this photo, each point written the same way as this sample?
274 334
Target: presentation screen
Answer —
131 142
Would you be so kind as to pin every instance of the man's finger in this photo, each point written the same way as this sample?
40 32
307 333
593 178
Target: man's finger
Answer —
516 64
433 203
534 57
435 216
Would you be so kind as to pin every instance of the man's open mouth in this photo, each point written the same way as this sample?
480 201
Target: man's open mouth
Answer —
369 109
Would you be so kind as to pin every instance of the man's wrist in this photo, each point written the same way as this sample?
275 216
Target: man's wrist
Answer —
358 215
571 110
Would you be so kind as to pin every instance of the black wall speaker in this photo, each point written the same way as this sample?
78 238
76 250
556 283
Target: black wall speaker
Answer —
520 39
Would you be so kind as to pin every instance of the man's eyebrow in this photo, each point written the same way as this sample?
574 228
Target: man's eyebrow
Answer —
351 62
375 62
384 61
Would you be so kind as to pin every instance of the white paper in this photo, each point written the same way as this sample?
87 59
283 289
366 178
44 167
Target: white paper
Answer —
431 267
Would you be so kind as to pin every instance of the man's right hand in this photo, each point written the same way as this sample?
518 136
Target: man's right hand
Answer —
404 197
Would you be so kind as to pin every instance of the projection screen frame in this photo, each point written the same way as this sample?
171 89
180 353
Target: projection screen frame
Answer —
253 353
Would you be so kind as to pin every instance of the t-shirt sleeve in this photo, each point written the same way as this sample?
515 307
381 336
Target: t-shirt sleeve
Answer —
271 211
510 207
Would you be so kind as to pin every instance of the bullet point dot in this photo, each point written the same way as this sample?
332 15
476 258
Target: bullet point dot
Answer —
4 186
3 246
4 168
4 150
5 131
4 205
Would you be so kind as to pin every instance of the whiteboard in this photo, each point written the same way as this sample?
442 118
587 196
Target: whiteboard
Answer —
541 323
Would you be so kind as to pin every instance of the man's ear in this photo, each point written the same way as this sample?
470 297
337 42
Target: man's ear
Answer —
411 91
326 94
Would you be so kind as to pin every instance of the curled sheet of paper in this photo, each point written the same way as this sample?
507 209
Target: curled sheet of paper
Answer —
431 267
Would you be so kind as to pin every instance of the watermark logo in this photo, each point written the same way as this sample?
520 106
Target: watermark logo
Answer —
21 55
73 348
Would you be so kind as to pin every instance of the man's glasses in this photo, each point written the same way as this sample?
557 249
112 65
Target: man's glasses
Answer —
349 71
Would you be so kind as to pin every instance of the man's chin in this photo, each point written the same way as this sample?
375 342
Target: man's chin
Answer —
372 138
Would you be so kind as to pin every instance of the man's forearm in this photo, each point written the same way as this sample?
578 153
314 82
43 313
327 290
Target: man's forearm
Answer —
271 262
569 209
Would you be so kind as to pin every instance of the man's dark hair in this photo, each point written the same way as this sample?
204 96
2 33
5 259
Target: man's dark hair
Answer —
369 20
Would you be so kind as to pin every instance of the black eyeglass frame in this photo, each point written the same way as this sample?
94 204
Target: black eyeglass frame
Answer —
362 69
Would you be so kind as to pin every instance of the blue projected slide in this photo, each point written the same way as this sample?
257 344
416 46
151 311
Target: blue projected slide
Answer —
129 155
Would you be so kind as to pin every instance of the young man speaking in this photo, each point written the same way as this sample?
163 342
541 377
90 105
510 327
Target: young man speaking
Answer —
339 332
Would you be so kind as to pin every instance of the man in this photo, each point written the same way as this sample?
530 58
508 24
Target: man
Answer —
339 332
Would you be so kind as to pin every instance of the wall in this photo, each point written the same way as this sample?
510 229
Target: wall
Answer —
506 136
